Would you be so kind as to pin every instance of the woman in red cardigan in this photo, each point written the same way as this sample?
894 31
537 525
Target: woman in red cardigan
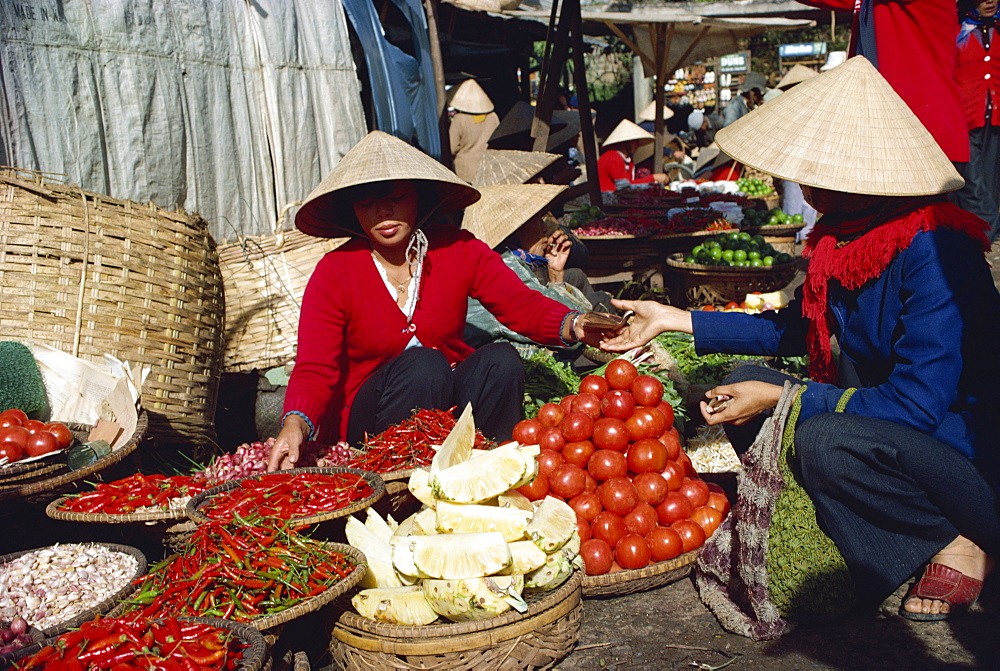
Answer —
615 166
380 331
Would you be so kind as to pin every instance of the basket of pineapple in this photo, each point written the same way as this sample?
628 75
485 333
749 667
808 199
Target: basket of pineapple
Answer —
479 577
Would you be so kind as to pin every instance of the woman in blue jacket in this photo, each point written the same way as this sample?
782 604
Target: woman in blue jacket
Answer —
897 436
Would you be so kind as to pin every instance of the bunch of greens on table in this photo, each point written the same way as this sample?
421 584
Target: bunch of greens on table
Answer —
546 380
713 368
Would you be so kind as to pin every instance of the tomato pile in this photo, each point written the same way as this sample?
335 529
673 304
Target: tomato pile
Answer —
612 453
21 437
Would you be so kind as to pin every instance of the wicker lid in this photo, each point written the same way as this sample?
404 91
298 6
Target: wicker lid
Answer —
649 113
505 208
508 166
380 157
469 97
626 131
797 75
844 130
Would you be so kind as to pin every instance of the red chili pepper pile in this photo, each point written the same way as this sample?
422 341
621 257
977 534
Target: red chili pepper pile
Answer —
239 572
287 496
699 219
168 645
136 491
409 443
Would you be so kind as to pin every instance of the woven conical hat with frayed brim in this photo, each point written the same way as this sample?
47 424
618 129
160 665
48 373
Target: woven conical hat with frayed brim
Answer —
844 130
505 208
626 131
649 113
509 166
470 98
380 157
797 75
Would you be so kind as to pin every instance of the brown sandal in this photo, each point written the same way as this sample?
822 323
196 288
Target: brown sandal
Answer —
942 583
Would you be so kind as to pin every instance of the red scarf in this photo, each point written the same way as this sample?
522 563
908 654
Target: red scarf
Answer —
855 250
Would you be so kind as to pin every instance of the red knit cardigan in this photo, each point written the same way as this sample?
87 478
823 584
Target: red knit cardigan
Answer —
350 325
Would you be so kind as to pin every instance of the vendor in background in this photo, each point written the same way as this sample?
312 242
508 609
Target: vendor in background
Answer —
702 127
677 164
380 332
978 75
895 440
750 95
470 128
615 167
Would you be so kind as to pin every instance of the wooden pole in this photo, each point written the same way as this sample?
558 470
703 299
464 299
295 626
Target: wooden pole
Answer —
547 96
583 106
438 65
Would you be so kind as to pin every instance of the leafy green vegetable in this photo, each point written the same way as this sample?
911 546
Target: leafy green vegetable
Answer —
713 368
546 380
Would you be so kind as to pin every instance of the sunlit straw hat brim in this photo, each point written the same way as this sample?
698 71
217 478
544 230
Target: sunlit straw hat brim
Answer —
509 166
505 208
649 112
625 132
796 75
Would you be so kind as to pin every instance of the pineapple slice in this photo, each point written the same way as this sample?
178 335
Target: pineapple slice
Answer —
378 526
400 605
419 486
457 447
553 524
452 556
380 572
482 477
472 518
425 523
405 528
526 557
557 568
475 598
515 499
529 454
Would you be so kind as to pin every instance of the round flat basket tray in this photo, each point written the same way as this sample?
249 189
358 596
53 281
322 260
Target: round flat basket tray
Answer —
536 639
105 606
701 284
145 517
199 501
631 581
53 479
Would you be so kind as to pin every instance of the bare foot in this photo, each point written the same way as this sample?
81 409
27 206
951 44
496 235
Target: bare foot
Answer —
962 555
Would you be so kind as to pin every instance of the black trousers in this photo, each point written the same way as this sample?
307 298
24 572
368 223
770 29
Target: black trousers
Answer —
492 379
888 495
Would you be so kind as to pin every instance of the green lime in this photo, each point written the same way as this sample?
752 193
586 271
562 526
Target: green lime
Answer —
783 258
796 218
767 260
691 259
728 255
756 263
753 254
758 240
740 255
697 250
744 236
773 220
716 253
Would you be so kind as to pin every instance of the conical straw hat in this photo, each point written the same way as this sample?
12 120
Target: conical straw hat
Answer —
625 131
470 98
710 156
508 166
797 75
380 157
649 113
504 208
844 130
565 127
521 116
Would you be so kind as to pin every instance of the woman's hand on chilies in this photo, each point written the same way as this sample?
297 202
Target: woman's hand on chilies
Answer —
285 451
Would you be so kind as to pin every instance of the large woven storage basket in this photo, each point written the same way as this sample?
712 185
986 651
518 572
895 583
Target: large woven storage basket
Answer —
264 279
91 275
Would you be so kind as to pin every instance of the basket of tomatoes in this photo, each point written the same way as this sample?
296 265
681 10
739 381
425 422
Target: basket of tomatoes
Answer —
611 451
29 444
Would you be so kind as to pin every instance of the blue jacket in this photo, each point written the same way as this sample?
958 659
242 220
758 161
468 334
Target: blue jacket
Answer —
923 338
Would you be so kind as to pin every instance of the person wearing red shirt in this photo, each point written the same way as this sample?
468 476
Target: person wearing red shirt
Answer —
615 166
978 76
382 317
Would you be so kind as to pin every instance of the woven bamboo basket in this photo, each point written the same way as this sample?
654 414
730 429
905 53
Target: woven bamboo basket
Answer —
56 478
374 481
643 579
90 274
697 284
536 639
105 606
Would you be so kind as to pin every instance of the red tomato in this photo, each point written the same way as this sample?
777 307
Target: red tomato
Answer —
607 464
582 529
20 435
642 424
567 481
578 453
587 506
551 414
696 490
567 403
720 502
692 535
664 543
577 426
64 437
647 456
672 441
618 403
641 520
673 474
708 308
11 450
591 485
684 461
526 431
40 443
668 413
549 461
594 384
610 434
551 438
647 390
618 495
587 404
9 420
17 414
597 556
659 421
608 527
651 487
715 487
537 489
706 517
632 551
33 426
732 305
675 507
620 374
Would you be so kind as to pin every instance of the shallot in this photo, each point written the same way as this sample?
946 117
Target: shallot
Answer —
248 459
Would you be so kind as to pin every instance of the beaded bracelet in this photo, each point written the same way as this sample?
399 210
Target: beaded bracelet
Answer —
312 429
574 314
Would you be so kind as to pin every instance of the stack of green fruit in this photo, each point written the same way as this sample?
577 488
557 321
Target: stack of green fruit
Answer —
737 250
754 187
773 217
585 215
